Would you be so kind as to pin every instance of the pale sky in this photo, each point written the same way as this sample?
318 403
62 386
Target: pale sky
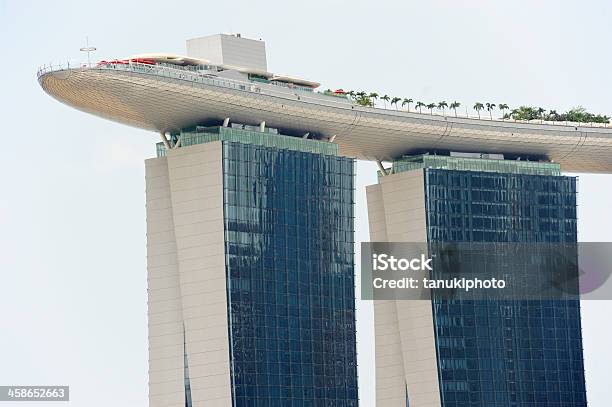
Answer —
72 215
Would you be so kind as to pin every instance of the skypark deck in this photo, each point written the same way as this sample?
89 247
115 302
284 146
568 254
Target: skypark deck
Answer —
165 98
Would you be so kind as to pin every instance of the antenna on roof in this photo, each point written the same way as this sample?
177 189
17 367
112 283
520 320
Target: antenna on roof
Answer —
87 49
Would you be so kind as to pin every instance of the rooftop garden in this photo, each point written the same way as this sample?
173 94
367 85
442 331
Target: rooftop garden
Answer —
576 115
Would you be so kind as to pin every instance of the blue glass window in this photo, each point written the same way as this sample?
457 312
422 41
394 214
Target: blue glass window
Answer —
289 261
505 353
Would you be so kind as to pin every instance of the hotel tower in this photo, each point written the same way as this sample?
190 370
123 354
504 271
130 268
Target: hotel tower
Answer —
483 352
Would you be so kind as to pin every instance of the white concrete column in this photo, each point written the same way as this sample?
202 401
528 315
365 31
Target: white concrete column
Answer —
165 140
381 168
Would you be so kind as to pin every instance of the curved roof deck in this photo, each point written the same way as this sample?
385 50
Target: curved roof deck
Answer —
163 98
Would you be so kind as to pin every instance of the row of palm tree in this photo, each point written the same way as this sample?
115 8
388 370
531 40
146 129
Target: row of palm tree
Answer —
478 106
369 99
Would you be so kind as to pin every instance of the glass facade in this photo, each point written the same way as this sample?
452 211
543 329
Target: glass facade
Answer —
444 162
290 276
268 138
505 353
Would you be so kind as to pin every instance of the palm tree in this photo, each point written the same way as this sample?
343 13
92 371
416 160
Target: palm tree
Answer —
394 101
490 107
407 101
503 107
362 99
443 105
420 105
385 99
553 115
540 112
431 107
478 107
373 96
514 113
351 93
454 106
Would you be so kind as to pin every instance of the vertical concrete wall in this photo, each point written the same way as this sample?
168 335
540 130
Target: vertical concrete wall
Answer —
404 335
166 386
187 280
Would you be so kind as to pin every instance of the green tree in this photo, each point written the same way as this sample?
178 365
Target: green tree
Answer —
580 114
577 114
490 107
431 107
420 105
385 99
525 113
362 99
540 113
553 116
503 107
407 101
478 107
442 106
373 96
394 101
454 106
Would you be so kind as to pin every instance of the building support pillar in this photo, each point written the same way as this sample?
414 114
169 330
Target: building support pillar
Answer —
165 140
262 126
382 169
226 122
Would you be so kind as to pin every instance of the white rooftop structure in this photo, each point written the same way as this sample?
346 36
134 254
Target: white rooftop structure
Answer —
225 49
